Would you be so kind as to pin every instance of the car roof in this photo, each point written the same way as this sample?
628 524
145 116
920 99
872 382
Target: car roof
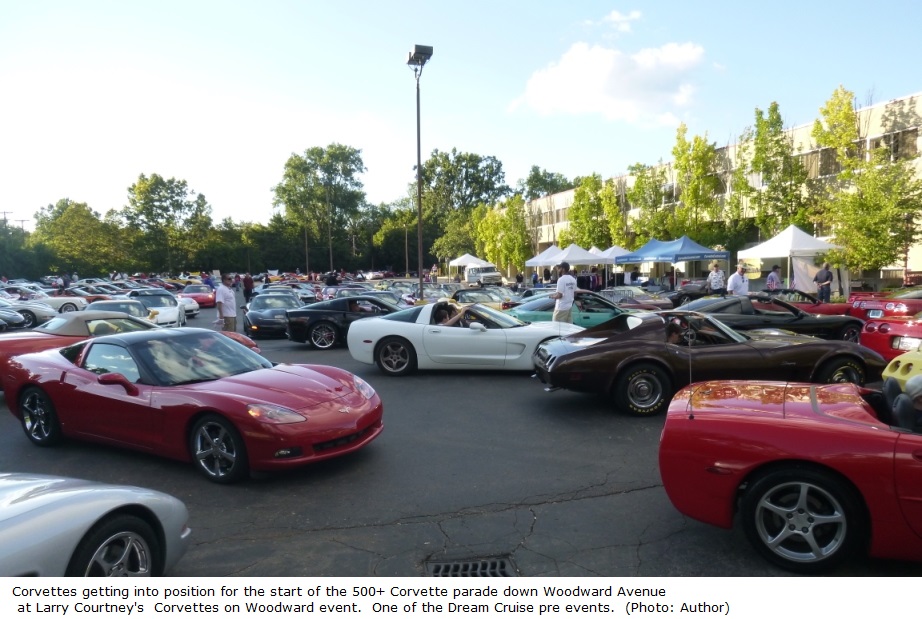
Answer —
73 321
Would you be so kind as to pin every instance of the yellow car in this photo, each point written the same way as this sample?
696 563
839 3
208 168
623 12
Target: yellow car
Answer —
904 367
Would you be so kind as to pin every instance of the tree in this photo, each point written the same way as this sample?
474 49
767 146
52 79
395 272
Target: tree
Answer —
516 244
615 208
873 199
77 236
321 191
164 211
587 215
540 183
697 212
648 195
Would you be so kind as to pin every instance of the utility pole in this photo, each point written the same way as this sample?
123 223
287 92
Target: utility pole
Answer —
22 224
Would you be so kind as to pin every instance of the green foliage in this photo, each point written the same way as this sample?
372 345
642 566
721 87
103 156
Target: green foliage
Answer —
540 183
654 219
614 212
695 167
586 215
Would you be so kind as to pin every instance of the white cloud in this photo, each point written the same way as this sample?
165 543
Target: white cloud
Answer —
643 87
621 22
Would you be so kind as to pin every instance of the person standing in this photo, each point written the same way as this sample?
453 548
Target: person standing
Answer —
226 301
738 283
774 279
565 294
716 282
823 281
247 287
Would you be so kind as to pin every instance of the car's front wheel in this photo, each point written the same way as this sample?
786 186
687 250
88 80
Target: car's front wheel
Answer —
39 418
31 320
68 307
850 333
842 370
323 335
802 519
121 545
395 356
643 390
218 450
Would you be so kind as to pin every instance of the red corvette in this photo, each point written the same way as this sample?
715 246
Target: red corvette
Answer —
901 303
809 303
203 294
192 395
893 335
817 472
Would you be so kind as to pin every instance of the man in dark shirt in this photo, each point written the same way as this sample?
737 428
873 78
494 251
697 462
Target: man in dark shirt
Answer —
823 281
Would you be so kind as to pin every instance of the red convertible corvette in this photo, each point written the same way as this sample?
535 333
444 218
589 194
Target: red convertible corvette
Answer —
816 472
893 335
192 395
901 303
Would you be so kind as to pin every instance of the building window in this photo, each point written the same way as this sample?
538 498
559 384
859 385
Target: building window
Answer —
901 145
829 162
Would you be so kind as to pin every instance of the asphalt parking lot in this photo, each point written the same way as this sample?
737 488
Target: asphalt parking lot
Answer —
470 466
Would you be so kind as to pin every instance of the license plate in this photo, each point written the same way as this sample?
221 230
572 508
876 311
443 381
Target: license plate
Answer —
875 313
907 343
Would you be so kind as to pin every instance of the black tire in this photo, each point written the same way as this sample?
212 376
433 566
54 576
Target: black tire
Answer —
218 450
842 370
643 390
68 307
323 335
395 356
850 333
803 520
120 545
39 417
31 320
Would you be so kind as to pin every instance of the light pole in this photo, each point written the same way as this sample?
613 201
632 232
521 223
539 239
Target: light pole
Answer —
406 251
416 61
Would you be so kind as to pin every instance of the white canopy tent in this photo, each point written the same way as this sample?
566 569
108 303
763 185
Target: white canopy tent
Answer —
574 254
800 249
468 259
538 261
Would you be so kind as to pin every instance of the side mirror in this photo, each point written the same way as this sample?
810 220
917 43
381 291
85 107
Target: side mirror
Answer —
476 326
114 378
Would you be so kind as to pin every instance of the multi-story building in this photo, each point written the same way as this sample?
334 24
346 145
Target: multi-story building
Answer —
894 124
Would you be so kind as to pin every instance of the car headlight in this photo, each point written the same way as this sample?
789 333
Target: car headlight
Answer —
364 388
270 413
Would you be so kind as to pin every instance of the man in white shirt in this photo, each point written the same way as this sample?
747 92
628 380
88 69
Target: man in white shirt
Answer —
738 283
565 293
226 301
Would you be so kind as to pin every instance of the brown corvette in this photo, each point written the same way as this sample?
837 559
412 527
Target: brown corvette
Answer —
630 358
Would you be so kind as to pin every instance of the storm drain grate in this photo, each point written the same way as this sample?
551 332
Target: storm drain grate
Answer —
498 566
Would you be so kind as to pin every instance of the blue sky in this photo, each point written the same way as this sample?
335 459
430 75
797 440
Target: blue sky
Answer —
94 93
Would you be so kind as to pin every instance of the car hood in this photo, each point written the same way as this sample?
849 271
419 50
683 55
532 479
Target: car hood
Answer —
296 387
21 493
271 312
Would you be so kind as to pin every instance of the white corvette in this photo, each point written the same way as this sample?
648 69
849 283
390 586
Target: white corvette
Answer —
485 339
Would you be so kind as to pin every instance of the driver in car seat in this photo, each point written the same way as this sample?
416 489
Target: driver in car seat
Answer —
674 333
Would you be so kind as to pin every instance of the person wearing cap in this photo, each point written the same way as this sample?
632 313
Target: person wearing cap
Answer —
716 282
738 283
564 294
823 281
774 279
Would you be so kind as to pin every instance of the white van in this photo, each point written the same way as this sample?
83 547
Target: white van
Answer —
477 275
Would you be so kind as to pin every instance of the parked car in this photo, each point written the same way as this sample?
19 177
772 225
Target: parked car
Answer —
59 303
484 339
11 320
589 309
630 360
132 307
689 291
203 294
762 311
33 312
170 313
814 473
192 395
265 315
635 297
326 323
892 336
808 302
88 528
900 303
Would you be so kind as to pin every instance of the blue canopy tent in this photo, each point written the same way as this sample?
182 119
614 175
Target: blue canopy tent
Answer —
680 250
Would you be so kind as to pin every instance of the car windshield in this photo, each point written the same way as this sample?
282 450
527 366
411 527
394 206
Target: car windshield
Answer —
909 294
197 288
197 357
274 301
501 319
157 300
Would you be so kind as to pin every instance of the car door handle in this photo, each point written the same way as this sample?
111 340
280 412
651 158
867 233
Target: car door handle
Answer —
435 330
